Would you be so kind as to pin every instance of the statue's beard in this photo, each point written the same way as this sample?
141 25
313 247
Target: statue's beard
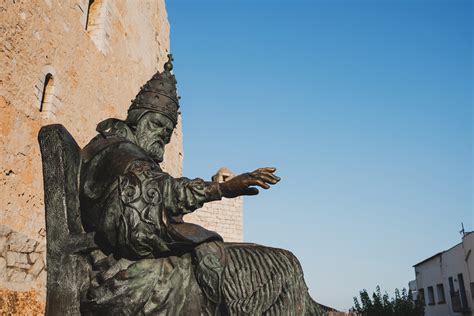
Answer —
155 150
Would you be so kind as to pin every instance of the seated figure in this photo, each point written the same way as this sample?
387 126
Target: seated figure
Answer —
142 258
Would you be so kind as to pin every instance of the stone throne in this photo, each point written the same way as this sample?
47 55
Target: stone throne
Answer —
66 240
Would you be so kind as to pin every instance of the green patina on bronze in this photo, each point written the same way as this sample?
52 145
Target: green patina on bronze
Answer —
117 242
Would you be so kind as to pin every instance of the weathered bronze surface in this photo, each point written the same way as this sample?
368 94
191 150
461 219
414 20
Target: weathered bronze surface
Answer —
116 240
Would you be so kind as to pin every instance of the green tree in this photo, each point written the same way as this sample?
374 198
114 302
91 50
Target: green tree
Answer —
402 304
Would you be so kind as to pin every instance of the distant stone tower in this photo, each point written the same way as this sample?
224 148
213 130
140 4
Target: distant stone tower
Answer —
225 216
75 63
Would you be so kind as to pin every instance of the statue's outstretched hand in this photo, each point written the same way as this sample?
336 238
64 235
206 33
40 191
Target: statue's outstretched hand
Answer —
245 183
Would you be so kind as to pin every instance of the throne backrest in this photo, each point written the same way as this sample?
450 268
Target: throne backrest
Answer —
61 164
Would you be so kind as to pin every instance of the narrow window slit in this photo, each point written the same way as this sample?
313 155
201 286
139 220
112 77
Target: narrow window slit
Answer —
47 91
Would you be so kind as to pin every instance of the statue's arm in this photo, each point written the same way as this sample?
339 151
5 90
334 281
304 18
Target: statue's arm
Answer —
183 195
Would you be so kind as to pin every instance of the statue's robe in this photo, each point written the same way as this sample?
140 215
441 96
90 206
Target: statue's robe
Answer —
133 206
149 262
144 263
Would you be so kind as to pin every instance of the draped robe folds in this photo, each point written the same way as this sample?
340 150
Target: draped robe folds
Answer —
149 262
134 207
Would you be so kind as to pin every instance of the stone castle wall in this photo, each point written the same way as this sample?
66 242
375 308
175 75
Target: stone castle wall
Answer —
90 83
76 63
73 62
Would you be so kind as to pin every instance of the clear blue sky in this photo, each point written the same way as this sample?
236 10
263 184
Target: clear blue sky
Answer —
365 108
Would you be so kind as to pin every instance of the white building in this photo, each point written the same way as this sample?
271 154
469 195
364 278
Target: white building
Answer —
445 281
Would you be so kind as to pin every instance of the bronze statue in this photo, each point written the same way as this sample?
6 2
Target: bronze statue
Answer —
132 253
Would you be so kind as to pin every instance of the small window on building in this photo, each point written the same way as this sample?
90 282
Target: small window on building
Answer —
441 296
97 23
45 93
431 297
421 296
91 13
451 286
48 92
462 289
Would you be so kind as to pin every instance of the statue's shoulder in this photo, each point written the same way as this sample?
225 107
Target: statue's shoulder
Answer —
114 138
104 160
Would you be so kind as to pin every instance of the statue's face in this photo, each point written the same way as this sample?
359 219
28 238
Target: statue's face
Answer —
153 132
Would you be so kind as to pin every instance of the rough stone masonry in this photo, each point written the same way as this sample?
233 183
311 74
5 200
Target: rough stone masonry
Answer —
60 62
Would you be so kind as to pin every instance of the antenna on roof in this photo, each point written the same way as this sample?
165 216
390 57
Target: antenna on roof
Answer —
462 232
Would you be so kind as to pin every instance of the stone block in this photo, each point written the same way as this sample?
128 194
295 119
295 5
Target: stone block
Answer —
40 247
42 276
4 230
3 242
17 260
36 268
20 243
34 256
16 275
3 269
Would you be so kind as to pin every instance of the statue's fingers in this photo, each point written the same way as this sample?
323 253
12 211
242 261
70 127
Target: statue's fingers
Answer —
268 178
250 191
266 169
272 176
277 178
260 183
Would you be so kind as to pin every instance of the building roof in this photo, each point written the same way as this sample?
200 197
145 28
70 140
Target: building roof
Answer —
440 253
428 259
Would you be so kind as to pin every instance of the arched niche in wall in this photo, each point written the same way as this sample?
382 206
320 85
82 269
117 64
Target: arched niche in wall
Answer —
95 19
46 92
